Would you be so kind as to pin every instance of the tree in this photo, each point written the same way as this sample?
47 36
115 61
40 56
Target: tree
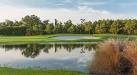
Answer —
117 27
31 22
37 29
32 25
18 23
44 24
98 28
131 26
104 26
67 25
88 27
49 28
58 27
9 23
72 29
80 28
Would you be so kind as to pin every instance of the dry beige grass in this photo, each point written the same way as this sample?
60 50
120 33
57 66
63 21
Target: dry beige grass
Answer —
131 54
115 57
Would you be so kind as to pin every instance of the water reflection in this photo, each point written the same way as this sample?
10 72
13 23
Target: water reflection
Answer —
51 56
33 50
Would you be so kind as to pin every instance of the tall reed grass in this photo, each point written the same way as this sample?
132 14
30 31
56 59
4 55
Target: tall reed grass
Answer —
115 57
131 54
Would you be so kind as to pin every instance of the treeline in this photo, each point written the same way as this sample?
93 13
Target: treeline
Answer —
32 25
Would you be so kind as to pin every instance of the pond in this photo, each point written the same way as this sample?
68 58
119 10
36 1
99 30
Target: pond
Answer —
49 56
74 37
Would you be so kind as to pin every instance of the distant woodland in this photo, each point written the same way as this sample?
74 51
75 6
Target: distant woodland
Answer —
32 25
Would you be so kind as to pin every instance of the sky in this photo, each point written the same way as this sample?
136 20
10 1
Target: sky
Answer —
69 9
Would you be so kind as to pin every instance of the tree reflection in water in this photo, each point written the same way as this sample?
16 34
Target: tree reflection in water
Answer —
33 50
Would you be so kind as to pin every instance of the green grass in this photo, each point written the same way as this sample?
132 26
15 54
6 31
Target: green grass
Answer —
11 71
47 38
116 36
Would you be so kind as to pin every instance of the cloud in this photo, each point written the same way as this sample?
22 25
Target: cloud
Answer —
116 6
62 14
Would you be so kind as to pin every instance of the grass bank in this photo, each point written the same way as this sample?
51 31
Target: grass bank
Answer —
48 38
11 71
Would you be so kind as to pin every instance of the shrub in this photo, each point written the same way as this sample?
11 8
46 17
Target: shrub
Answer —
131 54
115 57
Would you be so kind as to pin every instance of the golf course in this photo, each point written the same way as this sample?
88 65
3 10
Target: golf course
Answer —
68 37
52 38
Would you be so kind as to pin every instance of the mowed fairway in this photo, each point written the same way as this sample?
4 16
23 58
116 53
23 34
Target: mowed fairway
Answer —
48 38
10 71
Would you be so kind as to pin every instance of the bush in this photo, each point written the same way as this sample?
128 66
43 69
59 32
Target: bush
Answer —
15 30
131 54
115 57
